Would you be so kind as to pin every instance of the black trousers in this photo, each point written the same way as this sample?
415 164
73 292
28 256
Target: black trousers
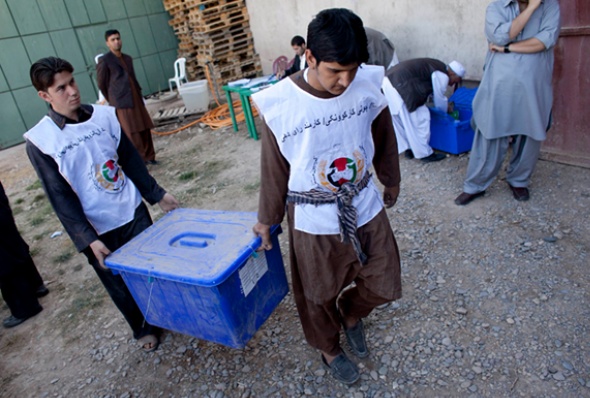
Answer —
114 284
19 278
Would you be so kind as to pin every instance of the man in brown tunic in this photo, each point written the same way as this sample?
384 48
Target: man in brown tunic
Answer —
324 265
117 81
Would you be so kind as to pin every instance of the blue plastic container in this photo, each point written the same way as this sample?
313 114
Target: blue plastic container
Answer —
196 272
450 135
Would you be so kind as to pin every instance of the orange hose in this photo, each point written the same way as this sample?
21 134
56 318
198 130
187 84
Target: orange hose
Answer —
215 118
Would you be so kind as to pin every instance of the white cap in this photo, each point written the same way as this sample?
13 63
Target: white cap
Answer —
457 68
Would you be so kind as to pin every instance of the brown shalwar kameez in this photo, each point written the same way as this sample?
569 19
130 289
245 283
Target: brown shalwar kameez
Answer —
136 122
321 265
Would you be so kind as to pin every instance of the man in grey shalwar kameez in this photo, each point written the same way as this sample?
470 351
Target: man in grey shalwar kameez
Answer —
512 106
381 49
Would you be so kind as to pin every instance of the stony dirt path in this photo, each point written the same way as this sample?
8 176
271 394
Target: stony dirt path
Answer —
496 299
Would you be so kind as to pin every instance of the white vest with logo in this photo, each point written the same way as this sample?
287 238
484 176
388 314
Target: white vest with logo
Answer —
327 142
86 155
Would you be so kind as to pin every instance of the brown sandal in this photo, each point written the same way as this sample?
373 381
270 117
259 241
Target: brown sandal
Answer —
148 343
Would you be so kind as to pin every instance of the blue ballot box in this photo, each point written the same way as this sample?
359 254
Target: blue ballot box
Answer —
450 135
196 272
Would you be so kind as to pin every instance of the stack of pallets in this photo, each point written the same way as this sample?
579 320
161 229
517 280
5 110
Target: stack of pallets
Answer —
214 34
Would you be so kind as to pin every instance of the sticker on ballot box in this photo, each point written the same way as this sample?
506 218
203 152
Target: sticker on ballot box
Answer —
252 272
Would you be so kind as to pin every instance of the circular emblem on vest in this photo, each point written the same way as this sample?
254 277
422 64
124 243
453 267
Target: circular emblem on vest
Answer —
340 171
109 176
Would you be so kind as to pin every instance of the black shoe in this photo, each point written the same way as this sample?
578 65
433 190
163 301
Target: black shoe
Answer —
520 193
434 157
355 336
42 291
466 198
153 162
409 154
13 321
342 369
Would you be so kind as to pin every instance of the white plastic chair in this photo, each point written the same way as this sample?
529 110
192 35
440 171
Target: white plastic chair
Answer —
179 73
101 99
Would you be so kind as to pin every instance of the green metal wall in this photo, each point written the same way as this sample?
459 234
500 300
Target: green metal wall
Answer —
74 30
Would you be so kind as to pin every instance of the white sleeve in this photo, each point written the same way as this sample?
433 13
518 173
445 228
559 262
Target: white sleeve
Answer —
440 81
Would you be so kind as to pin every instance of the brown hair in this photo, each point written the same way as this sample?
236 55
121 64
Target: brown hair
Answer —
43 71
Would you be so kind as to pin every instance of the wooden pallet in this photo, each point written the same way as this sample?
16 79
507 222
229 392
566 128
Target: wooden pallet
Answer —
227 17
173 4
229 44
241 20
182 30
226 57
204 4
211 9
222 37
178 19
248 68
164 116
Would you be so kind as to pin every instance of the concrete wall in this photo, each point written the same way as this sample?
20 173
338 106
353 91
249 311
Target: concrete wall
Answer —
446 30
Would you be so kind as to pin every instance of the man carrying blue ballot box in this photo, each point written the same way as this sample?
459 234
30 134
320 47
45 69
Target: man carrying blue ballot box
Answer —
316 161
95 180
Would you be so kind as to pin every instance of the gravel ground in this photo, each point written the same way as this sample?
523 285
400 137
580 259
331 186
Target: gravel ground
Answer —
496 301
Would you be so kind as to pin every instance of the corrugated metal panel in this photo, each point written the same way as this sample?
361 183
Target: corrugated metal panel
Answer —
135 8
95 11
3 84
55 14
165 38
66 47
154 6
141 76
15 63
38 46
88 91
114 9
142 32
167 59
74 30
27 16
91 39
78 13
7 26
32 108
153 69
568 141
13 126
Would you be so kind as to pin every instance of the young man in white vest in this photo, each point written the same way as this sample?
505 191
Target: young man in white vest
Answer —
95 180
316 161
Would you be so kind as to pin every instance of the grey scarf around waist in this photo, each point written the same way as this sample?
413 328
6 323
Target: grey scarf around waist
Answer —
347 213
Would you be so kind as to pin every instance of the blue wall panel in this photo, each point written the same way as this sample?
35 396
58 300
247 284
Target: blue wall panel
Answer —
114 9
38 46
27 16
15 62
142 32
135 8
164 36
3 83
95 11
74 30
78 13
55 14
32 107
66 46
13 126
7 26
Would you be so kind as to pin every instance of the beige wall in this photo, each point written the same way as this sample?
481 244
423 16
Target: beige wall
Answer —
442 29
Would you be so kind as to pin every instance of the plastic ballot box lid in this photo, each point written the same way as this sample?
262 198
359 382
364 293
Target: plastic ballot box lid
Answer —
192 246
